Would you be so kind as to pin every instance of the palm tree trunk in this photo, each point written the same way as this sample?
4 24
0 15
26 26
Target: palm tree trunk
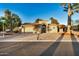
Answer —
11 25
69 20
69 17
69 14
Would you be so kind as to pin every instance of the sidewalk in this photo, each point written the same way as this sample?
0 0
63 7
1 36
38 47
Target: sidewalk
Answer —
46 37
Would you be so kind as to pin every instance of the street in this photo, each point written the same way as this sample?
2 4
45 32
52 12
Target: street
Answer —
59 47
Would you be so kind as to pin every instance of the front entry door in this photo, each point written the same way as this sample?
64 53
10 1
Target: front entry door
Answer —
43 29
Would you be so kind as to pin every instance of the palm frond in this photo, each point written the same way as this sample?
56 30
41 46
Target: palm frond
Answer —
65 7
77 11
75 6
65 10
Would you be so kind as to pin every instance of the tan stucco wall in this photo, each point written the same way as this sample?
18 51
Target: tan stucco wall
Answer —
28 28
53 29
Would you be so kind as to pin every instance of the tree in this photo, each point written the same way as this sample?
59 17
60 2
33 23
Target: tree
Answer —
37 20
1 23
16 21
7 13
70 8
54 21
8 17
11 20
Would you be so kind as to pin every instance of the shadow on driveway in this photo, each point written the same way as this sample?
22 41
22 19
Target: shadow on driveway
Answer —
51 49
75 45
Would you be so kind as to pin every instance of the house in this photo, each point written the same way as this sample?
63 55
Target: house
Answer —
62 28
53 28
28 27
42 26
75 27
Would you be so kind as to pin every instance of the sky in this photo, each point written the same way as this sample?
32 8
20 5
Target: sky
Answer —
29 12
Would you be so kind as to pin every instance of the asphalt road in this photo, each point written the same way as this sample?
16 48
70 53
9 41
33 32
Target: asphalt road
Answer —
57 48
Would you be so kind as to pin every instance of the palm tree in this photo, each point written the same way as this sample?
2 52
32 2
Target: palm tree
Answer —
71 8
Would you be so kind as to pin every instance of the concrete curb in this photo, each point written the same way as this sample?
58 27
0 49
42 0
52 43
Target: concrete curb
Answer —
37 41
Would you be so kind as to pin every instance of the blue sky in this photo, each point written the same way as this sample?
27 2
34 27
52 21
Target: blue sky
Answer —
29 12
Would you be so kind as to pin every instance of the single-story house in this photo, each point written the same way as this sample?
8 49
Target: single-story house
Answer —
42 27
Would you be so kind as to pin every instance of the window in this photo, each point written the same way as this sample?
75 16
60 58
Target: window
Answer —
53 27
